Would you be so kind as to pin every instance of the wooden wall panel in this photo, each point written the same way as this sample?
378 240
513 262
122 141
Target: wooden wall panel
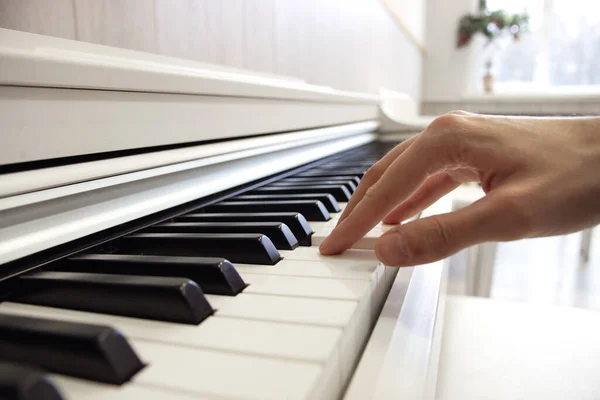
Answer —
46 17
294 30
120 23
346 44
259 35
203 30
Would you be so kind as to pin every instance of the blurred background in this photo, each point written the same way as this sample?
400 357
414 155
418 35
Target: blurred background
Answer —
523 57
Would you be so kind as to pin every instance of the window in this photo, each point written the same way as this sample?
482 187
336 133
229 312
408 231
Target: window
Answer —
561 50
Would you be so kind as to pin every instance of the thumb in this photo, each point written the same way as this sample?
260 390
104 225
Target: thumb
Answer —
434 238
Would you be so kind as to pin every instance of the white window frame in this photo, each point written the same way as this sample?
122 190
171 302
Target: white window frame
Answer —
541 82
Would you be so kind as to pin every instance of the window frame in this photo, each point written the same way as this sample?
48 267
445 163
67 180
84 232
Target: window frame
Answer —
541 77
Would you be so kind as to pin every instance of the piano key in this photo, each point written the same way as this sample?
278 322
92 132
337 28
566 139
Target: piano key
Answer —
213 275
338 191
279 233
236 247
226 375
295 221
310 287
349 164
73 388
316 312
312 210
335 217
255 337
366 242
252 373
347 184
356 320
312 254
325 173
352 178
348 265
348 269
82 350
20 382
311 311
328 200
160 298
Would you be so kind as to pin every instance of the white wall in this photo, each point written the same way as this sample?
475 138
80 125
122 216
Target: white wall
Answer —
347 44
411 15
448 73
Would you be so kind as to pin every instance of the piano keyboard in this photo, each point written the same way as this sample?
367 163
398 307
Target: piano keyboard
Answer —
229 301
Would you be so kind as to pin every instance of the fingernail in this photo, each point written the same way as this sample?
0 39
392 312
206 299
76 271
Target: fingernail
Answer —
392 250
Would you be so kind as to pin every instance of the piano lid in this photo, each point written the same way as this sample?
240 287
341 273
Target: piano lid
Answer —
36 60
63 98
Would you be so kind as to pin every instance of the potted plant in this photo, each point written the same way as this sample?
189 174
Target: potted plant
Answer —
492 25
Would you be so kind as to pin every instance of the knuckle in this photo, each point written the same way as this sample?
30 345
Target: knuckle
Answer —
449 139
379 194
372 174
459 112
449 121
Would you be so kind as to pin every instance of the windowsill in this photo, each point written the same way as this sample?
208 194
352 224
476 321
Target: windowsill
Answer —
571 94
533 97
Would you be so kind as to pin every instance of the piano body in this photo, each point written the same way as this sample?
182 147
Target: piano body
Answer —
159 225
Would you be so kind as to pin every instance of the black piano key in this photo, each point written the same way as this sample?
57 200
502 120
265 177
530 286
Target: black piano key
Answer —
347 184
86 351
325 173
328 200
248 248
20 382
311 209
295 221
348 164
158 298
338 191
279 233
213 275
352 178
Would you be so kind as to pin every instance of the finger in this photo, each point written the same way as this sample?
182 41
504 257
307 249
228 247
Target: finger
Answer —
373 175
394 186
434 238
434 188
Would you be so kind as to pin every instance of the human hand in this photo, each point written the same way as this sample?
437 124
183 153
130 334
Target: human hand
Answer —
541 177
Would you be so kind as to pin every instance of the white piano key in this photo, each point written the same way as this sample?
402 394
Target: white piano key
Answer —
319 312
76 389
352 316
312 254
349 269
169 365
268 339
204 372
322 225
342 207
355 334
366 243
319 288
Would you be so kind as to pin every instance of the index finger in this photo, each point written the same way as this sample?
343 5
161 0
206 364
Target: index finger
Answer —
373 175
400 180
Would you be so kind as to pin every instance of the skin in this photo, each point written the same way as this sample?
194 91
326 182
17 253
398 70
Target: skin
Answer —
541 177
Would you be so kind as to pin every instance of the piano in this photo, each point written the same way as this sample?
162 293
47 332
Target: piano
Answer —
159 229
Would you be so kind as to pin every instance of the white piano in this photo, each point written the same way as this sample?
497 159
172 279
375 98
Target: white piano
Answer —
159 225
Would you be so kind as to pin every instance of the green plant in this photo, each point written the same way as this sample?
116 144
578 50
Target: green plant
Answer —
491 24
